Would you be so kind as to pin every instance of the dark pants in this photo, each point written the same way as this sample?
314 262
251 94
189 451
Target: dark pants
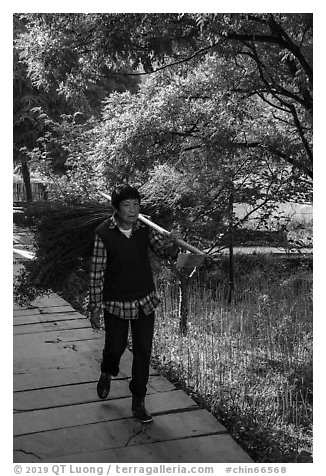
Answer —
116 337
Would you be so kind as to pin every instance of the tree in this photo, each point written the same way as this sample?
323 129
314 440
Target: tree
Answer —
269 56
45 106
24 124
30 107
187 118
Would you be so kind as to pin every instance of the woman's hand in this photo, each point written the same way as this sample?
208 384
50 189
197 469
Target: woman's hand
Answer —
175 235
95 319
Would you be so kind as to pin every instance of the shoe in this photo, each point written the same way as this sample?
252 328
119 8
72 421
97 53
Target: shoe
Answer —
139 411
103 385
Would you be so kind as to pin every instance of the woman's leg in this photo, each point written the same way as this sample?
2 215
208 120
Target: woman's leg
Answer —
116 337
142 330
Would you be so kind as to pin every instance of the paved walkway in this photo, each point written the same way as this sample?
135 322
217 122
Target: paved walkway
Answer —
59 418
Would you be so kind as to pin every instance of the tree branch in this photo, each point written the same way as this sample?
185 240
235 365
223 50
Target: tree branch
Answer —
295 50
298 165
277 89
199 52
301 132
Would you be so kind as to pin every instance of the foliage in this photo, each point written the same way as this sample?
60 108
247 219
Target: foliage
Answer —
32 103
176 138
274 53
60 58
267 58
49 94
223 117
179 137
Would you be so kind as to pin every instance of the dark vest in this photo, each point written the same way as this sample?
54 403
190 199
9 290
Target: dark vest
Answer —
128 273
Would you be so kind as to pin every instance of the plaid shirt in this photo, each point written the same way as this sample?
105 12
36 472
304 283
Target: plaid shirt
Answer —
122 309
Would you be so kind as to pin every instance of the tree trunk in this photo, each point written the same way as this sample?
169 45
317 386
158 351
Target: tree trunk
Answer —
183 303
27 181
231 254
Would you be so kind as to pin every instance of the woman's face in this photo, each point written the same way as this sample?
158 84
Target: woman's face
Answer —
128 212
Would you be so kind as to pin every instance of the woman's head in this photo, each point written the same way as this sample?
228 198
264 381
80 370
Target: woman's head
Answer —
126 200
124 192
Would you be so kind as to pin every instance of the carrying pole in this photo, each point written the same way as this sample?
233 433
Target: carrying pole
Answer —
181 243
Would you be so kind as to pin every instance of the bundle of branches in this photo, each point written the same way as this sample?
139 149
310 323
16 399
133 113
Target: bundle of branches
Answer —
64 236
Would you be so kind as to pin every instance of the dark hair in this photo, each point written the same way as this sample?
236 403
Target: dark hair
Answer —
123 192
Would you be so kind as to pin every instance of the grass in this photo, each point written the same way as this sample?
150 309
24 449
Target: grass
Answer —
249 363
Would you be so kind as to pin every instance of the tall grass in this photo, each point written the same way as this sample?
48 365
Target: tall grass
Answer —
250 362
